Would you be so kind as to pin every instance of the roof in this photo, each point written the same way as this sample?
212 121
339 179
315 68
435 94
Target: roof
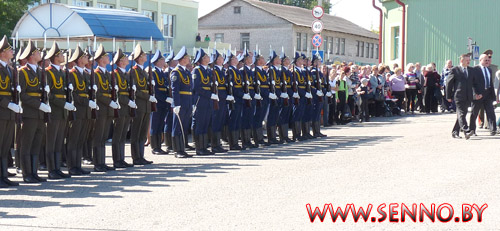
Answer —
303 17
59 20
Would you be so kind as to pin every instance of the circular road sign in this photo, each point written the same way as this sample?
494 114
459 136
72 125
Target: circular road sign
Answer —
317 26
317 40
318 12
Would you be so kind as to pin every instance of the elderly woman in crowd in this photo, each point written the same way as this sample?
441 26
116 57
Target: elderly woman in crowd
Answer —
411 87
397 83
431 86
377 82
354 84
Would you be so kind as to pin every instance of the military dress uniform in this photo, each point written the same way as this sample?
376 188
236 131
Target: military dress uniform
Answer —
285 112
260 111
33 128
298 110
274 105
122 123
248 112
79 127
182 85
235 114
219 117
169 118
8 111
202 82
308 113
318 102
56 127
162 108
104 114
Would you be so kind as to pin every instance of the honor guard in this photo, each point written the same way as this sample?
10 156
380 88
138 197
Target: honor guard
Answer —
9 109
305 97
235 114
261 83
182 95
140 123
127 106
169 118
79 127
274 106
33 128
249 108
163 107
286 95
319 96
105 113
56 128
88 146
203 96
219 117
308 113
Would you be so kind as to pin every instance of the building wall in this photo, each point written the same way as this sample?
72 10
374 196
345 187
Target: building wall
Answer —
438 30
266 29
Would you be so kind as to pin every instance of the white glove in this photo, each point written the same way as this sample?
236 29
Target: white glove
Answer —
319 93
46 89
214 97
296 95
257 97
97 108
92 104
18 89
169 100
328 94
247 97
70 86
94 87
284 95
14 107
308 95
116 87
69 107
272 96
194 109
118 103
113 105
152 99
45 108
216 83
177 109
230 98
134 87
153 83
132 104
274 83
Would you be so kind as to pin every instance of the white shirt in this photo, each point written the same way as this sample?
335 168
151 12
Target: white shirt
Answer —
141 66
4 64
122 69
34 67
57 67
220 67
79 69
183 67
332 84
260 68
103 69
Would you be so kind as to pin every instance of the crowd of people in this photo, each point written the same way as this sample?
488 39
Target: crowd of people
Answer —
59 107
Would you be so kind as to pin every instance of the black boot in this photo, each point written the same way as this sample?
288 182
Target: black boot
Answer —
57 159
233 141
34 168
177 145
271 135
216 143
285 133
260 137
316 130
248 136
5 173
205 144
168 140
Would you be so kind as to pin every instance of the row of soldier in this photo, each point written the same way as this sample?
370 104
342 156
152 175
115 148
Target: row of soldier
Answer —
65 103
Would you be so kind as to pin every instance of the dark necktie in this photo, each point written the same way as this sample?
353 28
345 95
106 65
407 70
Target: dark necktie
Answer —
465 72
487 77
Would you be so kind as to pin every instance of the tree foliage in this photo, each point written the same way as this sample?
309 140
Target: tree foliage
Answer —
307 4
11 11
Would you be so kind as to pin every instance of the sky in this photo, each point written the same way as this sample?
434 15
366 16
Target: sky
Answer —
360 12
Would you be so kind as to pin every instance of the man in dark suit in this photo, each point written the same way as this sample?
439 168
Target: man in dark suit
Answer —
459 88
484 93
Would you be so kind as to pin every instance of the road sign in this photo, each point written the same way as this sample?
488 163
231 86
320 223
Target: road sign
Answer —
475 53
317 26
318 12
317 40
321 54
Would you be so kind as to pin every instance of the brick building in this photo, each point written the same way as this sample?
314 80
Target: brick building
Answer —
253 22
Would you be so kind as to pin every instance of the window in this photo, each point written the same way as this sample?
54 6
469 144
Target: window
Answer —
395 42
219 37
337 50
362 48
43 2
168 25
304 42
376 51
372 46
330 45
237 9
299 42
245 40
82 3
150 14
325 44
357 48
368 50
342 46
128 8
105 6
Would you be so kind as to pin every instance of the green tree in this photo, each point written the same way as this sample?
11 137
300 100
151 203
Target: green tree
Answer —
11 11
307 4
